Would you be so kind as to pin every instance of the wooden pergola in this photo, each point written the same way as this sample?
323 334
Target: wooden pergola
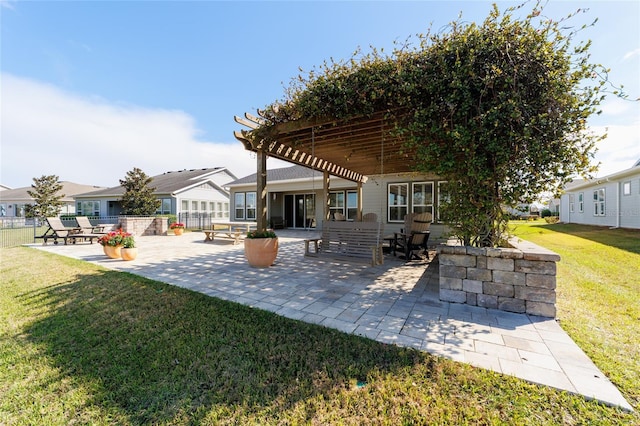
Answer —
350 149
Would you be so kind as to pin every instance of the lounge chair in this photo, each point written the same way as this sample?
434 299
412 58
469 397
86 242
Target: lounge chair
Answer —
87 228
57 230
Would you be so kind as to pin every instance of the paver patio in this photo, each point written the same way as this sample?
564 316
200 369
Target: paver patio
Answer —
395 303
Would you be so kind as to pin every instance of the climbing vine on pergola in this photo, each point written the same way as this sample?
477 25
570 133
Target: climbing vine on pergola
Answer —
499 110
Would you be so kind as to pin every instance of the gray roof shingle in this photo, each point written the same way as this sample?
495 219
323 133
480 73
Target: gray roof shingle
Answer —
168 182
283 174
69 189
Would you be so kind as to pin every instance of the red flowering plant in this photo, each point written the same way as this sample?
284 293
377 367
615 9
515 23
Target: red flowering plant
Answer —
177 225
114 238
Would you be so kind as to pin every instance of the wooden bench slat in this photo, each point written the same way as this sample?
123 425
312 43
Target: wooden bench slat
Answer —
353 240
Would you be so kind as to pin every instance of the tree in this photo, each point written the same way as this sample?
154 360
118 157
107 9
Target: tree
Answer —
138 198
47 197
498 110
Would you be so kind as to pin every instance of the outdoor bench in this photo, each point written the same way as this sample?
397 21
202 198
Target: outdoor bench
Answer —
356 241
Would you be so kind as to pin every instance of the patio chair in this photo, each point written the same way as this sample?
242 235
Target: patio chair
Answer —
57 230
278 222
369 217
414 236
338 217
86 226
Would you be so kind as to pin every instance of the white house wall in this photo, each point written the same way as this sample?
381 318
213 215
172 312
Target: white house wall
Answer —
374 196
620 210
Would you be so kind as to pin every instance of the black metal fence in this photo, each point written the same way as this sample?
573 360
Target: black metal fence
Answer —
202 221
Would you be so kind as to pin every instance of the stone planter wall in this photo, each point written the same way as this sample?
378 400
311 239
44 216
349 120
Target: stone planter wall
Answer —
518 279
139 226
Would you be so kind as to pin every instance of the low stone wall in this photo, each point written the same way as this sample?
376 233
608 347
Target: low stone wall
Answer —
518 279
139 226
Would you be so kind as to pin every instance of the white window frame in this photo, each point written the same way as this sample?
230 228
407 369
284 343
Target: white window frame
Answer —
397 202
164 208
426 206
352 205
572 203
337 203
88 208
245 205
599 202
239 205
626 188
580 202
251 201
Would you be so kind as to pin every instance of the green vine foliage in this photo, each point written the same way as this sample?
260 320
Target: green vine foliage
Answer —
497 109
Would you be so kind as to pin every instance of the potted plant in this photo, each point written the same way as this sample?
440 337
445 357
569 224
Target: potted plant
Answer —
261 248
177 228
129 251
112 243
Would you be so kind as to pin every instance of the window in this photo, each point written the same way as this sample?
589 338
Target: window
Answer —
336 203
185 206
245 207
194 206
572 203
626 188
203 206
88 208
398 202
212 208
251 205
225 212
422 200
222 211
598 202
581 202
240 205
352 205
165 206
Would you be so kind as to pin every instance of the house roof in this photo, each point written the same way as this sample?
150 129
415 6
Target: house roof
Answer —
581 183
168 182
69 189
279 175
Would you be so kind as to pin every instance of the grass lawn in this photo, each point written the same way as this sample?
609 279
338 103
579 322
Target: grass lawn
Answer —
598 293
81 344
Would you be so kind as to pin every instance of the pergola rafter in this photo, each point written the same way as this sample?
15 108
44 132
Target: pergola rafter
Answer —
350 148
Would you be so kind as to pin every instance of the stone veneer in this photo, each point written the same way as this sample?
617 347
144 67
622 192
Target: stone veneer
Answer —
139 226
517 279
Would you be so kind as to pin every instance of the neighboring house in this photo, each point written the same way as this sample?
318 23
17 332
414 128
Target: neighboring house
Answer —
3 187
296 194
186 192
612 200
554 206
13 201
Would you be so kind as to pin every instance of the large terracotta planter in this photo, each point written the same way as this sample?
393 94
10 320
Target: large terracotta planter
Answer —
129 253
178 231
261 252
112 251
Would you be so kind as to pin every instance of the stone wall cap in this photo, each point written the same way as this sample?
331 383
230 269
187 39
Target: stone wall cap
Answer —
448 249
533 251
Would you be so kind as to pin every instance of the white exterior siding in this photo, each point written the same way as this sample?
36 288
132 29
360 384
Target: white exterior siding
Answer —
374 197
620 209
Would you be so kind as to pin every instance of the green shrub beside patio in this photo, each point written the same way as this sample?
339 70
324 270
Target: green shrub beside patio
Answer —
81 344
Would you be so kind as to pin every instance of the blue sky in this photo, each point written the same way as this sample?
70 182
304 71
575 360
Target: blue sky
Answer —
90 90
